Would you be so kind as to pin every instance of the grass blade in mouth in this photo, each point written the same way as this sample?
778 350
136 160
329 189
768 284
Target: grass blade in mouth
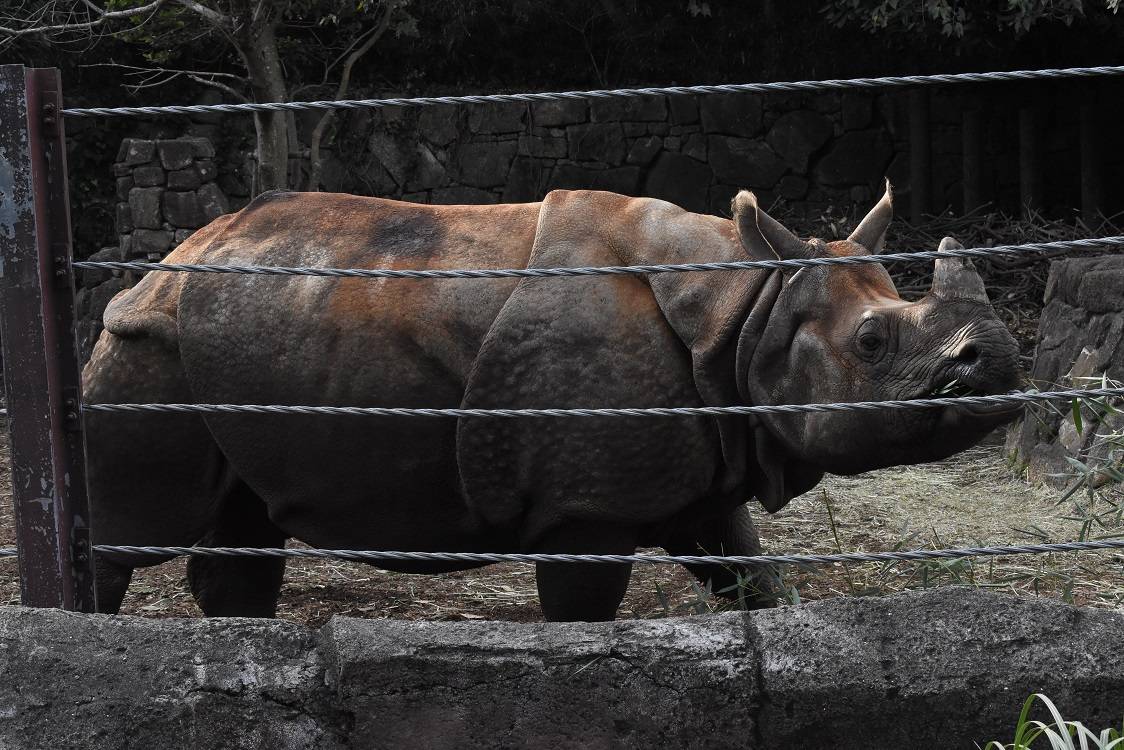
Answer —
954 389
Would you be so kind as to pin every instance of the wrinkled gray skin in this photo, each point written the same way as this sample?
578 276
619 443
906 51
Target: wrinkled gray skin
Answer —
596 485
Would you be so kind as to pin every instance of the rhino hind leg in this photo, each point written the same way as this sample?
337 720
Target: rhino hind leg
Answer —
732 534
239 586
584 592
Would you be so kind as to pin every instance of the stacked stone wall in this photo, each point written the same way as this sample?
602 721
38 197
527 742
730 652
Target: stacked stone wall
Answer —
166 189
1080 341
807 151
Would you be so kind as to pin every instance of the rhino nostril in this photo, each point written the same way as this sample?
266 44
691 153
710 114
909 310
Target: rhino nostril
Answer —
968 354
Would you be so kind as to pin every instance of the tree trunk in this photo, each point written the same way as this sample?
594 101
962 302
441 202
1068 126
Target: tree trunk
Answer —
267 80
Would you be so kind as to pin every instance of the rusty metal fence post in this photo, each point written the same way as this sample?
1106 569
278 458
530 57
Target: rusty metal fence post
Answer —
37 332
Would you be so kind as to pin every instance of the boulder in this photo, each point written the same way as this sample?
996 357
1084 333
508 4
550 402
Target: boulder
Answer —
526 181
624 180
144 203
177 154
184 179
684 109
462 195
628 108
644 150
731 114
181 209
438 125
490 119
483 165
145 243
543 147
212 202
553 114
136 151
856 158
740 161
602 142
797 135
680 180
149 175
857 110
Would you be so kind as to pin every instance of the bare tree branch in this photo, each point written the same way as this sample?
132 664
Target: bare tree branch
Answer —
365 41
211 15
101 16
220 86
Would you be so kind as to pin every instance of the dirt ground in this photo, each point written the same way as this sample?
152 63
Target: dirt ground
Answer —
969 499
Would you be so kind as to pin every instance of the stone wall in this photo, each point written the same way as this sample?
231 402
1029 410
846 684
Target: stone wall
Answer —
1080 337
944 668
166 189
810 151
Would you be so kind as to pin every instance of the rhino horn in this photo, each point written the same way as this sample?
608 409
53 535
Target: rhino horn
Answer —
956 278
871 231
762 235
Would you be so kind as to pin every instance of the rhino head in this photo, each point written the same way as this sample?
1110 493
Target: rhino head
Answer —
842 333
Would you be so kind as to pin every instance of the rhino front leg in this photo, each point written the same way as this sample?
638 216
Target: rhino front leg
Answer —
730 534
584 592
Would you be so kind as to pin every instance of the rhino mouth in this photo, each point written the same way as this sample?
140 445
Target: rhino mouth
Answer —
958 389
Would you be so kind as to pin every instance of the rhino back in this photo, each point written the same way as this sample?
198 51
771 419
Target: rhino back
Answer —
380 342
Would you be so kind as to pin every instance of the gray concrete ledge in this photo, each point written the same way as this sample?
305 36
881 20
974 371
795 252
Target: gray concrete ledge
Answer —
942 668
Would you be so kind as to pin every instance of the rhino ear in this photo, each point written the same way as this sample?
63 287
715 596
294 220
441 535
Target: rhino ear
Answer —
763 237
871 231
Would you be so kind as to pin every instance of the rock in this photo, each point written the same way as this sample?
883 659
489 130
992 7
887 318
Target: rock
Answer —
176 154
462 195
731 114
91 277
942 668
124 185
426 172
695 146
438 125
644 150
1080 339
634 129
856 158
484 119
739 161
797 135
680 180
201 148
148 176
212 202
857 111
182 209
101 295
144 203
553 114
792 187
684 109
390 155
624 180
631 108
136 151
483 165
602 142
124 219
184 179
146 242
526 181
542 147
207 170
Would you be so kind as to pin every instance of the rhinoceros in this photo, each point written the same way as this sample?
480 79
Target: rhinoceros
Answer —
577 485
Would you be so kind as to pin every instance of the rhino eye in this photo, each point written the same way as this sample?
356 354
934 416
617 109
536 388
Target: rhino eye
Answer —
869 340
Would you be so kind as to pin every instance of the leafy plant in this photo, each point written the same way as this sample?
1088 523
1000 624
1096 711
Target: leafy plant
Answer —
1060 736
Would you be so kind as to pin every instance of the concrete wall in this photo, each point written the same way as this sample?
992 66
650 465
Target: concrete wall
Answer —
943 668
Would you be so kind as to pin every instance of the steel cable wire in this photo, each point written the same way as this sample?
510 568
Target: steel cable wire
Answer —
735 88
510 273
653 559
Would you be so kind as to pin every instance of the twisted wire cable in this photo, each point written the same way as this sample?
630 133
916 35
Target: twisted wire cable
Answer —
734 88
650 559
514 273
669 411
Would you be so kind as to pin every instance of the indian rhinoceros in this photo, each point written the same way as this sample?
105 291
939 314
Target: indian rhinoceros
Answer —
580 485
